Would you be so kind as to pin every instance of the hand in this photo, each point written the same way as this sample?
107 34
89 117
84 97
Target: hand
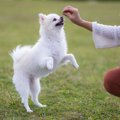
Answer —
73 14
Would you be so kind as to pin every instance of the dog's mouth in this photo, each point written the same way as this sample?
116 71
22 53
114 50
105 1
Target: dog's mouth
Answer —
61 22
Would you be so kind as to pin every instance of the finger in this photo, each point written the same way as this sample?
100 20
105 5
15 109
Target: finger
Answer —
67 12
68 9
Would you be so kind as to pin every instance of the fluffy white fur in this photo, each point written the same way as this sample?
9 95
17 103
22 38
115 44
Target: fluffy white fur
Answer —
31 63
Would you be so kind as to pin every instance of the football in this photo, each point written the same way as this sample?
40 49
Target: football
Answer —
112 81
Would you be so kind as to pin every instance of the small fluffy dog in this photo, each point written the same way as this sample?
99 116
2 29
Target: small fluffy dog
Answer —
31 63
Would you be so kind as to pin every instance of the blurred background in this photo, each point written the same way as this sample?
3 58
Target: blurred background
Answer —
68 93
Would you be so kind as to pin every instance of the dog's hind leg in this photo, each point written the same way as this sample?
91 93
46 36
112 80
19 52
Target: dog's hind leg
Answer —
22 86
35 89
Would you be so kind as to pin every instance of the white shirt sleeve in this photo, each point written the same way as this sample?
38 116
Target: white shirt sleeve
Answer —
105 36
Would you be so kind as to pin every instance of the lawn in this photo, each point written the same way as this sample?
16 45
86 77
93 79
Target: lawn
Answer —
69 94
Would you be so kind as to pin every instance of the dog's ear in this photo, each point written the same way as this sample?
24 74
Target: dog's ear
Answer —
42 17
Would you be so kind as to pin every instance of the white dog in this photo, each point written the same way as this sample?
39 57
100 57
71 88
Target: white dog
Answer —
31 63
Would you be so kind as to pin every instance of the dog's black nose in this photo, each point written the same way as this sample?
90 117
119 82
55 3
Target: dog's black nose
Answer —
61 18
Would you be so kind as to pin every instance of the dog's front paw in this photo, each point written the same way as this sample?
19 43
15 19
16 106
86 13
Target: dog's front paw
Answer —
76 66
50 64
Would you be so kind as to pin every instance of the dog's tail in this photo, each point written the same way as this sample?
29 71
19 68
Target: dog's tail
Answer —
19 52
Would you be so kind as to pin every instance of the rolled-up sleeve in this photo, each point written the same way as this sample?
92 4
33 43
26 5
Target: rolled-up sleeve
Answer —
105 36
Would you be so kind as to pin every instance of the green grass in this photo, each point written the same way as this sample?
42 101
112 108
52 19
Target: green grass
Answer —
69 94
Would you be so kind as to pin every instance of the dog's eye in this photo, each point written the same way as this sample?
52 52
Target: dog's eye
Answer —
54 19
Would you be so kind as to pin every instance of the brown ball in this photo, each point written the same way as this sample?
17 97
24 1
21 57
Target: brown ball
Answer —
112 81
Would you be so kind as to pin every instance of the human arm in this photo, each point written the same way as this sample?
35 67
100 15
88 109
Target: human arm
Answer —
104 36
